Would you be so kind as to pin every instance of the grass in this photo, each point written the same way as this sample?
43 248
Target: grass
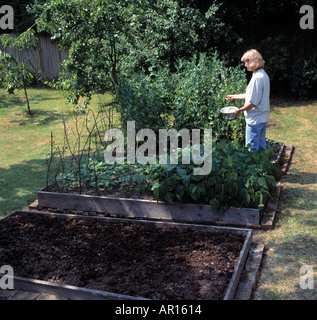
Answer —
25 142
293 242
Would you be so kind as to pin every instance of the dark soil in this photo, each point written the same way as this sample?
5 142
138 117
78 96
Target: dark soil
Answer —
131 258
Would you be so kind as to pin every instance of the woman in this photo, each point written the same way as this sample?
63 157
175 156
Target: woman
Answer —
257 101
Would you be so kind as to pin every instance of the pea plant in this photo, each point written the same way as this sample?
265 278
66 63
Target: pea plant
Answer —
189 97
67 164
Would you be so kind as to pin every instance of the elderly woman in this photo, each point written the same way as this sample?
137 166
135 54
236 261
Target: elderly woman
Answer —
257 101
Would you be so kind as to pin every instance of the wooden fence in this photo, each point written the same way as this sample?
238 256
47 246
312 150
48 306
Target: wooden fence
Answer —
45 61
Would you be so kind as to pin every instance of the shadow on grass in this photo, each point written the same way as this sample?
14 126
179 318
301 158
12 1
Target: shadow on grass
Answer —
297 198
302 178
284 274
20 100
12 100
40 117
19 184
282 102
290 250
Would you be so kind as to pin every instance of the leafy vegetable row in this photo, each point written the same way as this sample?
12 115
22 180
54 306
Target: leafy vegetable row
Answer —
238 178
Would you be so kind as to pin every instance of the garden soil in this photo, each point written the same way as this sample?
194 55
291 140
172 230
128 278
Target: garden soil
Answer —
155 261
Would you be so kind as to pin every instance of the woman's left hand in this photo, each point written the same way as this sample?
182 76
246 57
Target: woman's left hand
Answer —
237 113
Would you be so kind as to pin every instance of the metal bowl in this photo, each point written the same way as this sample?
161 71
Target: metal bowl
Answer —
228 112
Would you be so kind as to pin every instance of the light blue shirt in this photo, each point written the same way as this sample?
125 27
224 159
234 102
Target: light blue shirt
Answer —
258 93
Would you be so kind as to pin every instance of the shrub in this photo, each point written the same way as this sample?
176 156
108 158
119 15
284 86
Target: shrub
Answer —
200 90
141 99
191 97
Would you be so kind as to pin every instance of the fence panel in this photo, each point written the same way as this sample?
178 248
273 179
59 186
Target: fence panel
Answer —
45 61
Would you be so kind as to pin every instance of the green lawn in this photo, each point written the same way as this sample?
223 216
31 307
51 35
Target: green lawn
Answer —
25 142
293 242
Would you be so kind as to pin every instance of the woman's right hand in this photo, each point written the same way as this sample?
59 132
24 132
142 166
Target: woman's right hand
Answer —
230 97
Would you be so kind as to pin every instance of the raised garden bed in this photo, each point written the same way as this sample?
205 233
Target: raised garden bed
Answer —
104 258
148 209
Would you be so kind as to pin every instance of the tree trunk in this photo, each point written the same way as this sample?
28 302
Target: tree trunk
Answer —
27 98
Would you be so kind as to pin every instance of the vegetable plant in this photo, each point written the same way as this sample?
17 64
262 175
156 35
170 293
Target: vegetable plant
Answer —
238 178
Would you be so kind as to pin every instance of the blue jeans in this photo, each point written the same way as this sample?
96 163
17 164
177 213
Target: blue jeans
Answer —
255 136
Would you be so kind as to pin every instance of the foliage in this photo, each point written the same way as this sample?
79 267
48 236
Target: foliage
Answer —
97 174
191 97
160 32
90 32
15 75
200 88
110 39
304 76
142 99
238 178
23 20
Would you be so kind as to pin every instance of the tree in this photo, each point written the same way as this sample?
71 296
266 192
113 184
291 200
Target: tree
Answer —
90 32
161 32
15 75
107 39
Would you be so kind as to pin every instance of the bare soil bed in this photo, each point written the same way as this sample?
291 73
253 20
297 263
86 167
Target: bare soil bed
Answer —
115 192
155 261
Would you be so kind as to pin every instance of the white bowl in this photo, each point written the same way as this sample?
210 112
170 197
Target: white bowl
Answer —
228 112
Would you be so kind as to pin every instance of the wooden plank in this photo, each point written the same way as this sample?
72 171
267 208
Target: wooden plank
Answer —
250 274
279 156
167 223
5 294
138 208
47 296
69 292
45 59
233 285
22 295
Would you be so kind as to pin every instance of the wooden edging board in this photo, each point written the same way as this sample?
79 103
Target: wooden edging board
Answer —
148 209
78 293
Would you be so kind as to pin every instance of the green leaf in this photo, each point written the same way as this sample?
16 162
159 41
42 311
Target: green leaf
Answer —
168 197
262 183
186 180
179 192
156 189
214 204
181 172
